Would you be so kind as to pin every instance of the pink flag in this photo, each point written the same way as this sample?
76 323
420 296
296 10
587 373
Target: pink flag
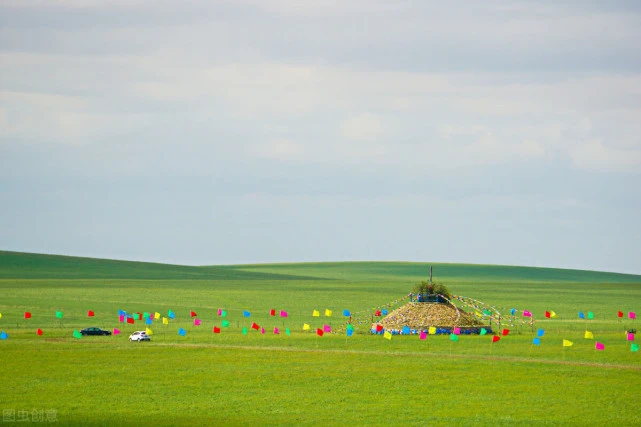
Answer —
220 311
196 322
116 331
423 335
632 315
276 331
457 331
630 336
262 330
283 313
599 346
527 313
327 328
121 318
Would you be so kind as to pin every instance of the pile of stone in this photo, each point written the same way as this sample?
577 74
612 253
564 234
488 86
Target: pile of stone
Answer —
421 315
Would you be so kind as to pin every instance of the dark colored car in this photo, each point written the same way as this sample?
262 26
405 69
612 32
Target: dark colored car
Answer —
94 331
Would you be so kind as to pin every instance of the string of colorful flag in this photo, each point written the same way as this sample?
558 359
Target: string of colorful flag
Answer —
130 318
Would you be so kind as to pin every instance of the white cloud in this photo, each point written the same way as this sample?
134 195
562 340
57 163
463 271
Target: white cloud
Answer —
362 127
594 155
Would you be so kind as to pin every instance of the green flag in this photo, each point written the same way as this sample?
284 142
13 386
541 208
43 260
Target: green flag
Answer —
225 323
287 332
453 337
486 312
59 314
146 315
77 334
590 315
223 313
483 331
244 331
634 347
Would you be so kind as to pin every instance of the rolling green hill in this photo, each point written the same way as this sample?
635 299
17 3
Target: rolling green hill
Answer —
225 371
20 265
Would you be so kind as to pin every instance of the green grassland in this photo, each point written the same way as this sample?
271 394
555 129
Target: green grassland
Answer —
236 379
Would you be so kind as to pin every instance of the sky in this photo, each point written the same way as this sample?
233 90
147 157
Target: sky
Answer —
260 131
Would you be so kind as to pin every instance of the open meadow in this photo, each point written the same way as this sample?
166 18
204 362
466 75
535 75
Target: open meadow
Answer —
241 376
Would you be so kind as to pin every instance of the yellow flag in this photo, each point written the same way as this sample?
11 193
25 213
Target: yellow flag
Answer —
432 330
387 335
148 331
552 314
157 316
165 321
589 335
316 313
567 343
305 327
328 312
0 315
478 314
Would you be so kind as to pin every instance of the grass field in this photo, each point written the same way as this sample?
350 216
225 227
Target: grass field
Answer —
267 379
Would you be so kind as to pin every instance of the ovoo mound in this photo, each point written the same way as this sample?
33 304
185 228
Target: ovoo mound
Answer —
418 315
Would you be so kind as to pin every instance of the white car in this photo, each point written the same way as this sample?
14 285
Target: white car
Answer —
139 336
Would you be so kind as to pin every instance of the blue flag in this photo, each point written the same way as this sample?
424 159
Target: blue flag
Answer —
148 321
246 313
3 335
406 330
513 311
349 332
170 314
346 313
384 312
540 333
536 341
182 332
122 313
581 315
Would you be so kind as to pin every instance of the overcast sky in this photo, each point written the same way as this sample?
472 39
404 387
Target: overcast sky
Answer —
219 132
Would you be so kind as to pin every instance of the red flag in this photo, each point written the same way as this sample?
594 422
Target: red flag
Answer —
547 314
139 316
90 313
216 330
193 314
379 328
39 332
272 312
495 338
130 320
620 314
504 332
255 326
319 332
27 315
377 313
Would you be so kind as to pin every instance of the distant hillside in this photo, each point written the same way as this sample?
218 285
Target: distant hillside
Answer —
21 265
443 272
